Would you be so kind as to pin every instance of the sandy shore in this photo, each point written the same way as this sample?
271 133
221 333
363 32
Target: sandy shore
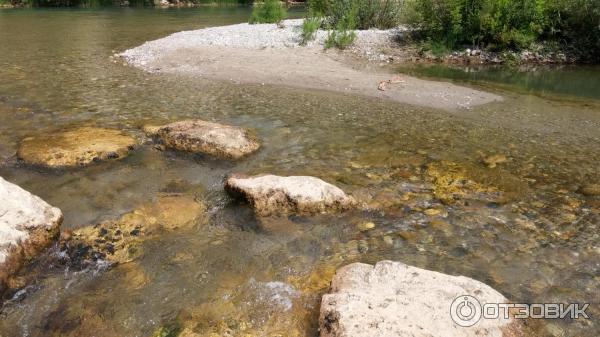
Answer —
266 54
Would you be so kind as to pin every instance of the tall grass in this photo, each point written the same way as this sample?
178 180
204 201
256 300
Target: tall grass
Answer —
310 26
270 11
343 35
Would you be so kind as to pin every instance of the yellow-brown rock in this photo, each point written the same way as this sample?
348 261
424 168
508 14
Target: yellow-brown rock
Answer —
121 241
76 147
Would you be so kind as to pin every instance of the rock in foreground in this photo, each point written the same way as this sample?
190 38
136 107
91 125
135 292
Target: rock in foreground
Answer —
76 147
393 299
27 226
200 136
270 194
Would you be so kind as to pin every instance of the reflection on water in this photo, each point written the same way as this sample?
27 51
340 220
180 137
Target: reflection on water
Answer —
582 81
522 227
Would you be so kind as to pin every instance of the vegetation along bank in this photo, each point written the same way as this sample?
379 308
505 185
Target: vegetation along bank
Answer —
487 31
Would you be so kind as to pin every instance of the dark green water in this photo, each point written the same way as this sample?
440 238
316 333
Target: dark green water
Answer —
228 276
576 81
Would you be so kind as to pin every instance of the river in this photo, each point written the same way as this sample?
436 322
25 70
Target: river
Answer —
523 227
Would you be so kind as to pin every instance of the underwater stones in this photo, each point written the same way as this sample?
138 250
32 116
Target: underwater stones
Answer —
270 194
200 136
251 308
75 147
452 184
151 130
590 190
134 276
120 241
316 281
494 160
168 212
365 226
27 225
6 150
394 299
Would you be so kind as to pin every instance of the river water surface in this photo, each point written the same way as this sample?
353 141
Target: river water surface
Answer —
523 227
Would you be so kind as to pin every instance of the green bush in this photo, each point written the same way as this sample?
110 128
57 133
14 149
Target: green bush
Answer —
270 11
343 35
508 24
436 48
381 14
340 39
318 7
310 25
576 25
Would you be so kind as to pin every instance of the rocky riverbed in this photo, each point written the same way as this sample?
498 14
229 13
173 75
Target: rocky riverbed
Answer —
504 194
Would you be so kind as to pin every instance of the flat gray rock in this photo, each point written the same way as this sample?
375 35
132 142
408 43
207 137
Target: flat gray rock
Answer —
270 194
200 136
27 225
392 299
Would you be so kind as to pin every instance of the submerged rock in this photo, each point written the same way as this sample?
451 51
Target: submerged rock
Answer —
590 190
200 136
254 308
120 241
270 194
394 299
76 147
452 184
494 160
27 225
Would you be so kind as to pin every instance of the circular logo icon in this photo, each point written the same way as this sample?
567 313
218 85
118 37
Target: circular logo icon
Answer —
465 310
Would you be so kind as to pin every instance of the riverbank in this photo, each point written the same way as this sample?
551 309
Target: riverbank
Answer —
410 52
153 3
268 54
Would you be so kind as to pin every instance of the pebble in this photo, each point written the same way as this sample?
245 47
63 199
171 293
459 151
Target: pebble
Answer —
262 36
526 223
365 226
494 160
408 236
590 190
554 330
432 212
569 217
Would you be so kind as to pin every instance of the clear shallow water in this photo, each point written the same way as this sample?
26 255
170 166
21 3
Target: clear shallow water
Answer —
237 274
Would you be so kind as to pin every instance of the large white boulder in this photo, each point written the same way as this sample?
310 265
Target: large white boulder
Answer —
392 299
270 194
27 225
